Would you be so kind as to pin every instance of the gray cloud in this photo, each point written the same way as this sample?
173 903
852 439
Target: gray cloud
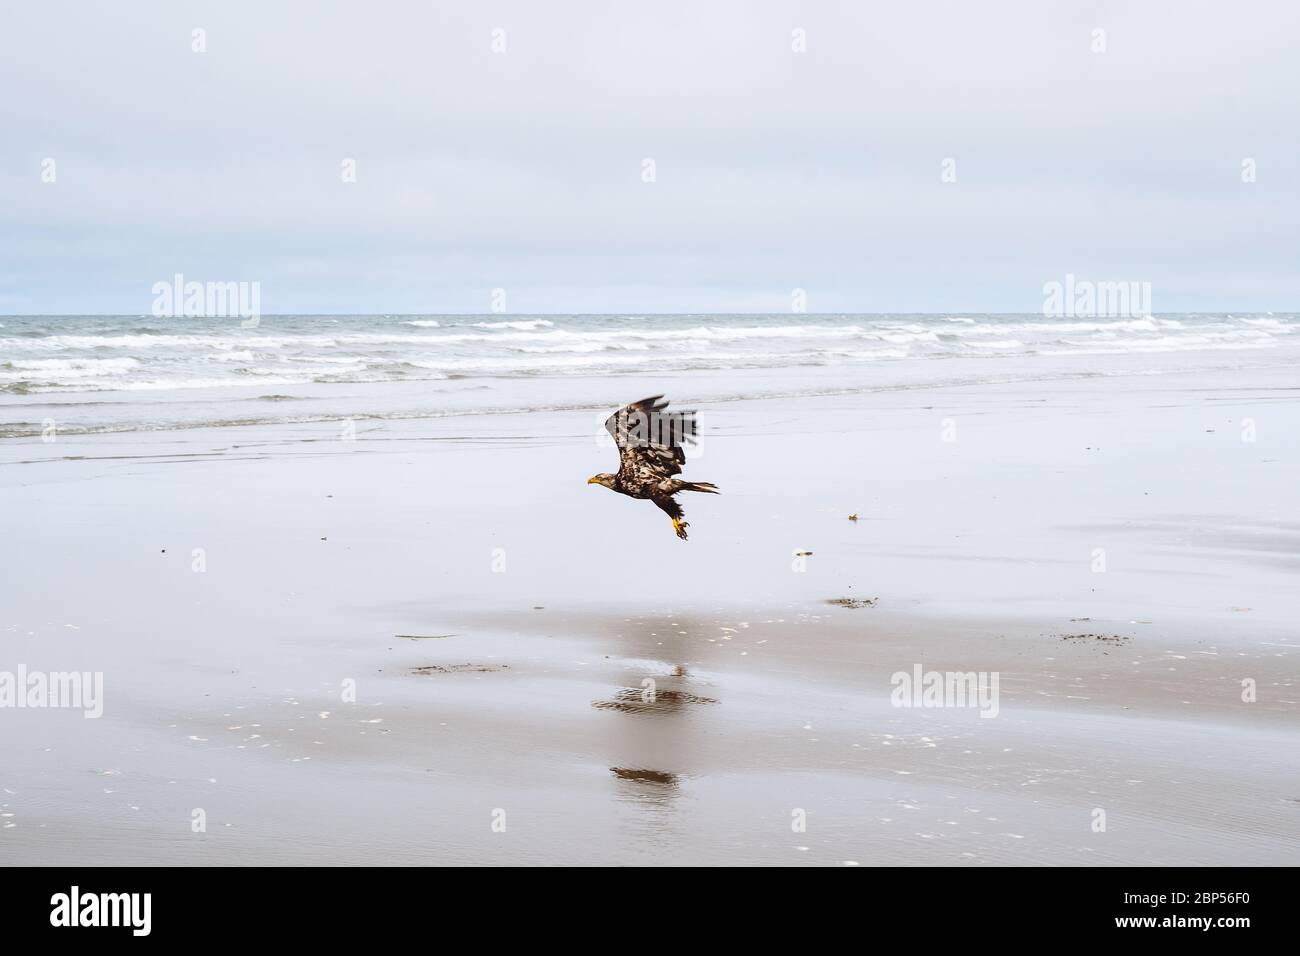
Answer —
774 169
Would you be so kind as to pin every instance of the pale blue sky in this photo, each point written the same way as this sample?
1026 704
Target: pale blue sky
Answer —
522 170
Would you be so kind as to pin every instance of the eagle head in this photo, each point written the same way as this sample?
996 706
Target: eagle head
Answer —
603 479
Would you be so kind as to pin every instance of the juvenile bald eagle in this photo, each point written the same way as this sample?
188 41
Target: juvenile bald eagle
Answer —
649 455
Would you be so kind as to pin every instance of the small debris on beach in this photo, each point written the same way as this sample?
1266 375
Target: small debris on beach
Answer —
422 637
853 517
1098 638
803 554
428 669
853 602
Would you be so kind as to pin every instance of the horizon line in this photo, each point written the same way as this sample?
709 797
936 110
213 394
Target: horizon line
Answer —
624 313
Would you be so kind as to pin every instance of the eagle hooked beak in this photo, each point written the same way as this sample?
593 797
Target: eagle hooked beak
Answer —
594 480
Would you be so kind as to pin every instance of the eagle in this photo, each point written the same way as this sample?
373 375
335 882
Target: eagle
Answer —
649 455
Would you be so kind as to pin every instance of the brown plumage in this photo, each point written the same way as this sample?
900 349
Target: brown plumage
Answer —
650 455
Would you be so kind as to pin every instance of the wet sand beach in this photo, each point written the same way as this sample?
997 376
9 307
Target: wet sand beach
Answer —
431 642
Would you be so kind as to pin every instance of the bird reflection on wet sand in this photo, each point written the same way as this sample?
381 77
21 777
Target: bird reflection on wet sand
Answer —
644 748
660 703
645 776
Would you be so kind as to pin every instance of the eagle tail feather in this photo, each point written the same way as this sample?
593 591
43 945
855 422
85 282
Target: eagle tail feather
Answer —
705 486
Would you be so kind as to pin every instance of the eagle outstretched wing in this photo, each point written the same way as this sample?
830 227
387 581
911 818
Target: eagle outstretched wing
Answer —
650 440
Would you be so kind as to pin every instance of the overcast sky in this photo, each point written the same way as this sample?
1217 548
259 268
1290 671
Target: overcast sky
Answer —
774 169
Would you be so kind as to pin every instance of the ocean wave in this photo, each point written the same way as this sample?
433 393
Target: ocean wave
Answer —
904 336
1271 325
868 354
523 325
1140 348
335 340
543 336
156 385
78 365
1144 324
146 341
535 364
581 347
30 387
72 354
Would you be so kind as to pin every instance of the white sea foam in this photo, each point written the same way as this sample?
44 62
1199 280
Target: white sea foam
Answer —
144 343
86 366
525 325
869 354
69 354
582 347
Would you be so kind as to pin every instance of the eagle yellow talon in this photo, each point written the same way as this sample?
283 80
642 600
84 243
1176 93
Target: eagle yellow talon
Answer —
680 527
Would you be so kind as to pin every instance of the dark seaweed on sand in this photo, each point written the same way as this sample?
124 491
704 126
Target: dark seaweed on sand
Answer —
853 602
